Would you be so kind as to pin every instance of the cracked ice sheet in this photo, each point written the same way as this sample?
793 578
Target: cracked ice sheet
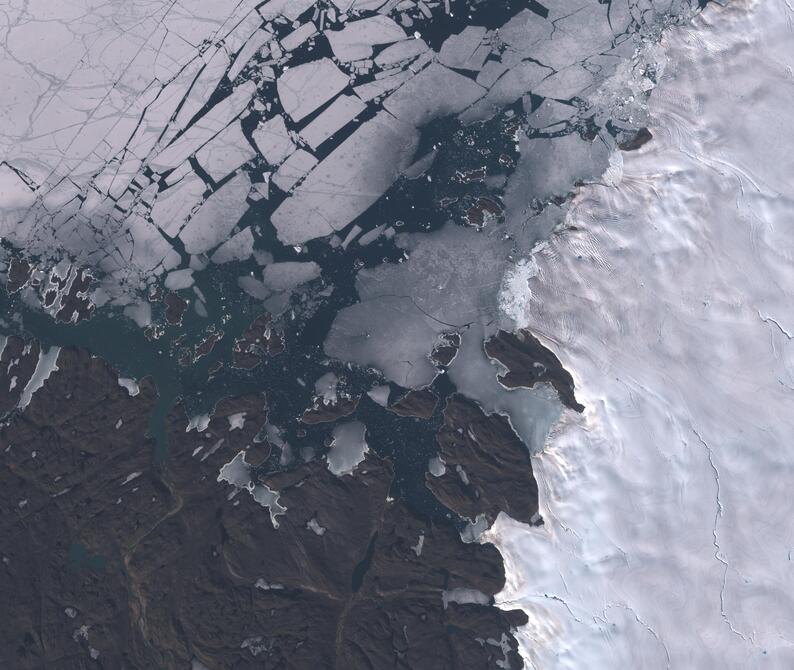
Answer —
348 181
664 305
451 279
83 73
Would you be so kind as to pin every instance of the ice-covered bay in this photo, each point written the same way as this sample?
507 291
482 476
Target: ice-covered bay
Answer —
669 534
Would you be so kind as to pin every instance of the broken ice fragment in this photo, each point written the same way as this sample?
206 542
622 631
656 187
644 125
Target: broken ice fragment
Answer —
298 36
304 88
293 169
179 279
273 140
215 219
356 39
400 52
226 152
237 248
461 51
340 112
287 275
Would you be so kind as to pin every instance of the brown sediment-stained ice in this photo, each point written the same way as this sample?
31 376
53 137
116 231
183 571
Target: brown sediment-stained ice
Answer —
117 555
528 362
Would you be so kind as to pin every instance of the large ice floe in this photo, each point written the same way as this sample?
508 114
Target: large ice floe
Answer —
668 531
140 134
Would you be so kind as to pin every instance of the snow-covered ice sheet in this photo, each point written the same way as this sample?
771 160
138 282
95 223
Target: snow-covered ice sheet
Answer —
668 531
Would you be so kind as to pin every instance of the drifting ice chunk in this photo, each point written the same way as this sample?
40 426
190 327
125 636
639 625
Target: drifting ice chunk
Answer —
298 36
435 92
326 386
254 287
238 248
140 313
379 87
371 236
380 394
342 110
400 52
348 448
293 169
179 279
304 88
256 42
286 276
348 181
216 218
356 39
273 140
226 152
461 51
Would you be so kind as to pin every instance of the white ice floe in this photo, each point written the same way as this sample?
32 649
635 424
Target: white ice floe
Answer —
668 531
216 218
179 279
287 275
348 181
273 140
355 41
339 113
326 387
307 86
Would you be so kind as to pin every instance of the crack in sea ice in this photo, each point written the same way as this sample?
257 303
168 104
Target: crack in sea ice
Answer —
546 596
775 322
716 542
639 620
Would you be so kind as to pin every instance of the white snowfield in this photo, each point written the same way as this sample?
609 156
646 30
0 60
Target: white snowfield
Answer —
669 531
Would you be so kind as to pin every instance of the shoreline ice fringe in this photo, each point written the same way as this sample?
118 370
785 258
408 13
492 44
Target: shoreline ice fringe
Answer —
668 535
